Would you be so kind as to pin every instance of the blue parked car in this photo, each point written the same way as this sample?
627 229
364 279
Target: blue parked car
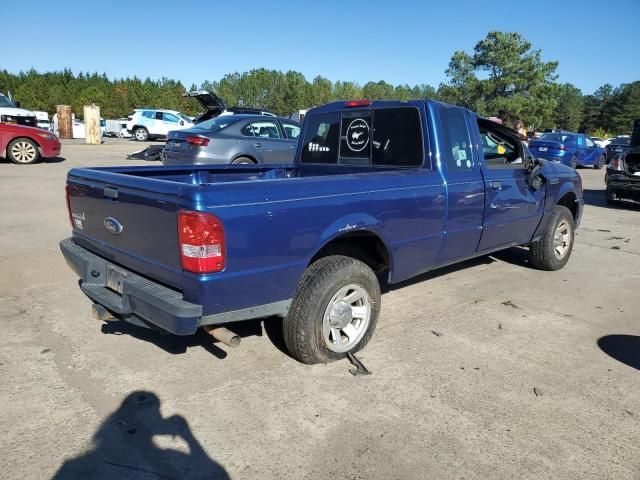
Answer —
572 149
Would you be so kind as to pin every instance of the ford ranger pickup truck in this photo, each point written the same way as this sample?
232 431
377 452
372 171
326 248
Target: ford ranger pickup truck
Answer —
379 192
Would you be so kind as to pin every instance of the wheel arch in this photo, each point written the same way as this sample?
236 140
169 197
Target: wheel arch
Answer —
6 148
246 155
569 199
364 244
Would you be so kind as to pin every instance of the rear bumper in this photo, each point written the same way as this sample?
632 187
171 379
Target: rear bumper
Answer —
622 187
153 302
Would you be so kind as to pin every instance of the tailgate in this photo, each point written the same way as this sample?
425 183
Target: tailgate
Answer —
130 221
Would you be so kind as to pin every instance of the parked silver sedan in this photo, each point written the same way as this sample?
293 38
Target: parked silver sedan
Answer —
234 139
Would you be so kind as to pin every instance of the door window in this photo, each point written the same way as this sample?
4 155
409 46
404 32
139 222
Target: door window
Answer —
457 143
170 117
500 150
589 142
148 114
291 130
264 129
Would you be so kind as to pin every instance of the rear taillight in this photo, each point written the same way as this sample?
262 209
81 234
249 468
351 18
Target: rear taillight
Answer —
616 163
560 147
197 141
66 192
201 239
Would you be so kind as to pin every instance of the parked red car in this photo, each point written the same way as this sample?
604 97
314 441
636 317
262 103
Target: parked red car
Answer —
25 145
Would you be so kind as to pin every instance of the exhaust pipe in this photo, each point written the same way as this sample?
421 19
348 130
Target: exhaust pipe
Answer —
223 335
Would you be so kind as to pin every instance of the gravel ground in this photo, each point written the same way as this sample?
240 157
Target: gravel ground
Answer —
488 369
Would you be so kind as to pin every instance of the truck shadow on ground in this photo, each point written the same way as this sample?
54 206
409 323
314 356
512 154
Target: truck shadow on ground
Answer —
178 344
596 198
272 326
624 348
126 446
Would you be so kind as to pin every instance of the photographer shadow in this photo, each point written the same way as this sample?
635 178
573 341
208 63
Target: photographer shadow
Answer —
126 446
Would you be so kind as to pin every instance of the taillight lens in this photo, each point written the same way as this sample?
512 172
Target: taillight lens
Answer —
616 163
197 141
66 192
560 147
201 239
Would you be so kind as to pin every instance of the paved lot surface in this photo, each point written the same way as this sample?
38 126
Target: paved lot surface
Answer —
84 400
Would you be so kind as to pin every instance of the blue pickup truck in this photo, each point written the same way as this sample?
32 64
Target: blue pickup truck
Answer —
379 192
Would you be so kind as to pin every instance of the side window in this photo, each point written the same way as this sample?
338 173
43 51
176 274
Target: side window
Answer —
355 138
265 129
457 143
158 115
321 136
248 130
589 142
148 114
291 130
580 141
397 137
500 150
170 117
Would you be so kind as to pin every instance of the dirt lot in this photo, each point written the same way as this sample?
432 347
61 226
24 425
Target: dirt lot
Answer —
455 358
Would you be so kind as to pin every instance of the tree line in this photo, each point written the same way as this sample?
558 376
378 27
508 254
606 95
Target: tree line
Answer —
504 77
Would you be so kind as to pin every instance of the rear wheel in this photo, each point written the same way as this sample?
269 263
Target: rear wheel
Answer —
600 163
243 161
23 151
553 249
334 311
574 163
141 134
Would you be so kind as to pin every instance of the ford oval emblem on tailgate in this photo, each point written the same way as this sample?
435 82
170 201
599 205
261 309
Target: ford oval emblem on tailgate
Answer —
113 226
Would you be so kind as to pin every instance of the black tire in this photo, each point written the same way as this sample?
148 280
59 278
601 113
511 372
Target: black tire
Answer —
542 253
574 163
140 134
23 151
321 282
243 161
600 163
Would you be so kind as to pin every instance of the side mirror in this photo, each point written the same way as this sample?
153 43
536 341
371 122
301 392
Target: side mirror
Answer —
181 122
17 104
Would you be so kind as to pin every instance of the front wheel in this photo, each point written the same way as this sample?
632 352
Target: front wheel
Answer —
23 151
553 249
334 311
600 163
141 134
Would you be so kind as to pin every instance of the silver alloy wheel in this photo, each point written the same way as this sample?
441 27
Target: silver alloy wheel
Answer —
346 318
24 152
140 135
562 240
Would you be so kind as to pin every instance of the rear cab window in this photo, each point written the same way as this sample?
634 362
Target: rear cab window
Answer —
390 136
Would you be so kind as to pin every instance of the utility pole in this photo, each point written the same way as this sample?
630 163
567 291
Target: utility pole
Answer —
92 125
65 123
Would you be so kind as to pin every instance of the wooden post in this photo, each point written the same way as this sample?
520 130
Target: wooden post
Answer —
65 123
92 125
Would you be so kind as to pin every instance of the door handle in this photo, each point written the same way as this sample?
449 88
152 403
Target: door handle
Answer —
258 144
496 184
292 147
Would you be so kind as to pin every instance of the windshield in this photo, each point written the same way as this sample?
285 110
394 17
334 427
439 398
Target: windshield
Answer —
218 123
557 137
5 102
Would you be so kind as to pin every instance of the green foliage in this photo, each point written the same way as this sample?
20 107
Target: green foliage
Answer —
503 77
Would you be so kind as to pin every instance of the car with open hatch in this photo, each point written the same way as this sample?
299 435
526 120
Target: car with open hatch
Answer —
379 193
623 172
